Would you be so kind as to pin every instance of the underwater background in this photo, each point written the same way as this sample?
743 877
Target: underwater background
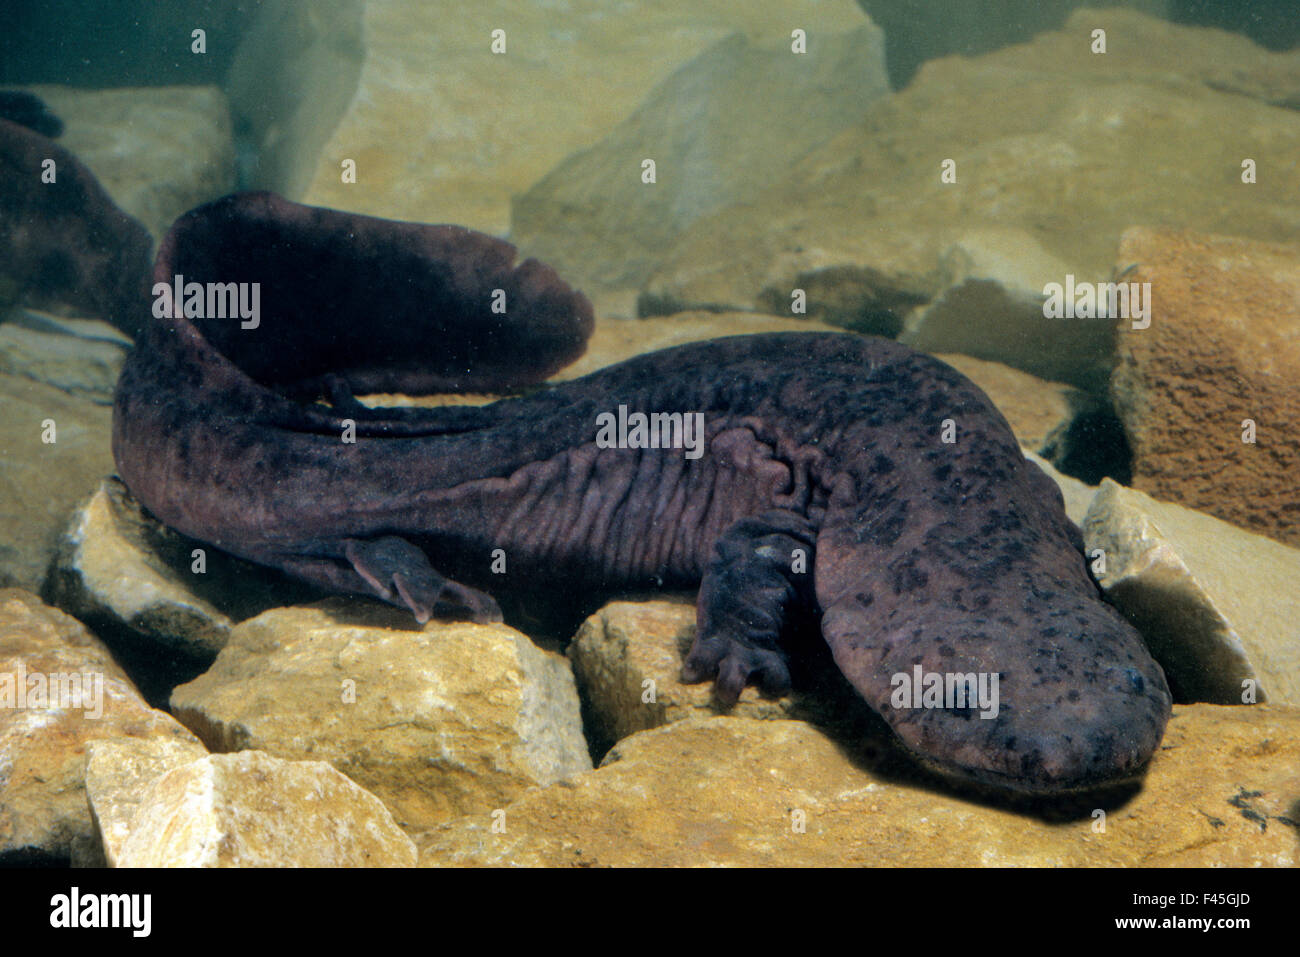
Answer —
980 181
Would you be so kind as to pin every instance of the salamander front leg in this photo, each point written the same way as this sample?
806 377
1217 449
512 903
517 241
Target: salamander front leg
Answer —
761 571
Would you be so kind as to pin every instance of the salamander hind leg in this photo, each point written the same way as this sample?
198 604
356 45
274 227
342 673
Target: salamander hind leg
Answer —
760 572
389 568
392 569
400 573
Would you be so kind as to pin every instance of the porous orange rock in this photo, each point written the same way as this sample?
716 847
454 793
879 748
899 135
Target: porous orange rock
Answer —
1208 392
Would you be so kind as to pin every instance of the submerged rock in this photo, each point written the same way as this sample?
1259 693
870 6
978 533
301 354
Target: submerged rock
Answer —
80 356
1078 495
164 602
1140 46
1044 153
45 727
441 128
254 810
742 792
109 569
448 719
42 481
627 659
1219 607
916 32
991 306
719 130
1208 392
1040 413
118 774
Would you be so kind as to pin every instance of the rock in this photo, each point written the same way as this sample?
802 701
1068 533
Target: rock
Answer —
1216 605
43 809
159 151
441 128
135 581
1137 44
1040 413
627 660
85 366
991 306
254 810
1078 495
732 791
1223 347
1141 46
719 130
916 32
41 483
90 330
448 719
869 207
118 772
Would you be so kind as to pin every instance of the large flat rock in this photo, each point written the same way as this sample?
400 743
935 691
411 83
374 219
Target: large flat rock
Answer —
739 791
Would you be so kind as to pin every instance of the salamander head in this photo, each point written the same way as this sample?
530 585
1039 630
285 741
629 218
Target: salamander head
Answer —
1065 701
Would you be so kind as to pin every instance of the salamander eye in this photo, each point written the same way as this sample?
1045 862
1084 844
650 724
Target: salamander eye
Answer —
1135 679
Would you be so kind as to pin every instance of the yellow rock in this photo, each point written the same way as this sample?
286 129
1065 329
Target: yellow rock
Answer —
444 720
118 772
43 740
627 659
1223 790
253 810
108 568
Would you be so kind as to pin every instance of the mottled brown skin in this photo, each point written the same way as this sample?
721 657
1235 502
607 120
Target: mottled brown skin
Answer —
958 556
